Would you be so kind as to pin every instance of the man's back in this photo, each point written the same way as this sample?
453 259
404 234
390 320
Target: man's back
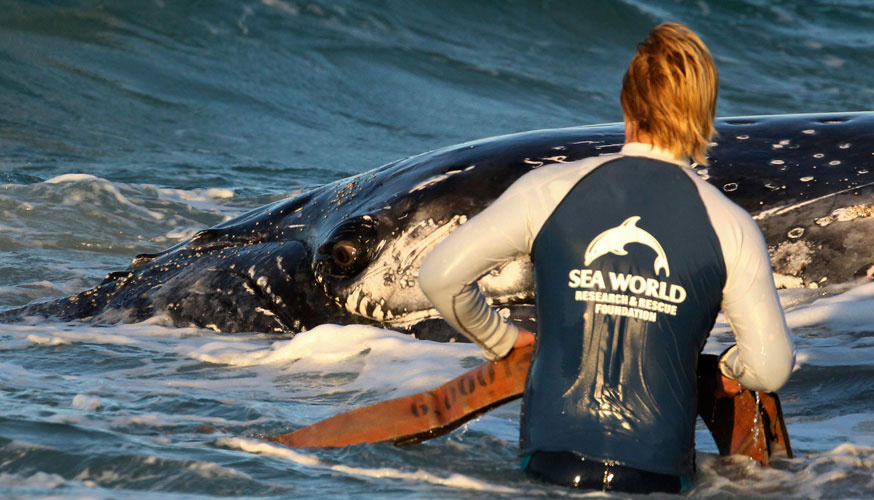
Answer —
612 383
629 281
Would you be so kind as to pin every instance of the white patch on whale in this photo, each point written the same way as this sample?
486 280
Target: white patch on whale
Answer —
352 300
377 313
782 210
796 233
789 258
432 181
362 306
557 159
394 276
782 281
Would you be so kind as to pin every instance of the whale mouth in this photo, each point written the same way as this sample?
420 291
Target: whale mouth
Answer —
387 292
428 325
424 322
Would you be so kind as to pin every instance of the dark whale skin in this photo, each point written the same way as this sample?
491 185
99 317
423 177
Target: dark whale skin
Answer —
348 252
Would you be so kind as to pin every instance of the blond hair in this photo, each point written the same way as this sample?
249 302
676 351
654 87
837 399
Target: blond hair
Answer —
669 91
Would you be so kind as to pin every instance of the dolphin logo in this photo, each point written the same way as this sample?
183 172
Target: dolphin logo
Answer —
614 240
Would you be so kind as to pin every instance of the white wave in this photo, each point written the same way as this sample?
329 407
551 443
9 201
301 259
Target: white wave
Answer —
380 358
834 350
145 334
72 178
64 199
47 340
327 360
162 420
179 234
107 186
192 195
842 472
851 310
208 200
68 334
196 195
40 480
852 428
86 403
454 480
839 324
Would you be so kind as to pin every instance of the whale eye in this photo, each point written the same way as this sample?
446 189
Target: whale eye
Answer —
348 250
345 253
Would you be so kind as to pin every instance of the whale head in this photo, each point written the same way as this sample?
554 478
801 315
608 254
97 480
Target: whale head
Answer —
349 251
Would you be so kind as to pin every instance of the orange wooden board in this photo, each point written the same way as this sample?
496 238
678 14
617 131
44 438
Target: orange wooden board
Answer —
425 415
744 424
749 423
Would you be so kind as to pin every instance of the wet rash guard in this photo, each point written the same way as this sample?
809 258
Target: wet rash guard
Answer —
634 256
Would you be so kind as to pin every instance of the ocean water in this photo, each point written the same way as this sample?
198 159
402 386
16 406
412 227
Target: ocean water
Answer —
125 127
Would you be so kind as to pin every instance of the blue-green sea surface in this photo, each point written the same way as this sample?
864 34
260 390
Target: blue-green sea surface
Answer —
125 127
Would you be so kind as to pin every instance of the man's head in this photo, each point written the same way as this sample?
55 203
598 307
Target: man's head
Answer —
669 91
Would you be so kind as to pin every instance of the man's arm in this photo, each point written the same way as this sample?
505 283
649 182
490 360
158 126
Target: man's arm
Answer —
449 274
764 355
503 231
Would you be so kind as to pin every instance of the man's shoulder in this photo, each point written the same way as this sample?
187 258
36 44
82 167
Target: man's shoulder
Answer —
716 201
739 235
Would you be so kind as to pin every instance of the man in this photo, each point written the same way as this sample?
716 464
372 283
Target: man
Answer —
634 257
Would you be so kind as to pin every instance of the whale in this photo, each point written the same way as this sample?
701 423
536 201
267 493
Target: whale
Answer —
614 240
348 252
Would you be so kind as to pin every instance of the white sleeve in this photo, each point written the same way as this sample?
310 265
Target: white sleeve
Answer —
449 274
503 231
764 355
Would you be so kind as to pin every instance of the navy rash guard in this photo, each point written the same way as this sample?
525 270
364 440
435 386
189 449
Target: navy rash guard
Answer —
634 256
628 287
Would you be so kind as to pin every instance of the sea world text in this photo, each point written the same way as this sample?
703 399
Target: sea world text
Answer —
620 282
